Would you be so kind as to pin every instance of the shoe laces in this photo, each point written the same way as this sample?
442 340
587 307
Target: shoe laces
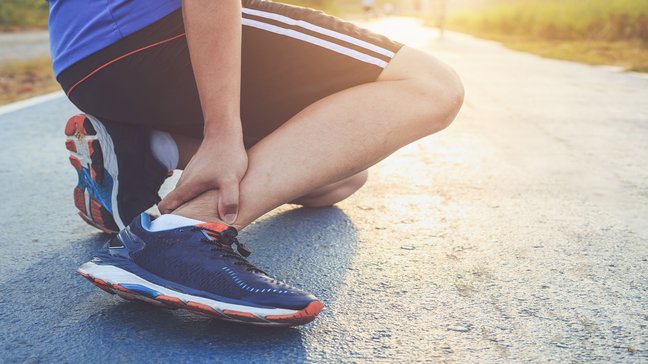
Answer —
223 241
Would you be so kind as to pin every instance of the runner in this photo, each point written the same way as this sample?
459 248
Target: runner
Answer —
259 103
368 7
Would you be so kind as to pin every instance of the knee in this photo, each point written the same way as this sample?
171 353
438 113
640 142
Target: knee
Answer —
435 89
442 96
453 96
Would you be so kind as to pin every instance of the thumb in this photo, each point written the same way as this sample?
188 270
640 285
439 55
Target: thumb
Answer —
228 202
182 193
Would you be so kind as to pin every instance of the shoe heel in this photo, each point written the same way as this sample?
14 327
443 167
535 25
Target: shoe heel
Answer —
79 128
86 152
97 166
79 200
79 125
102 217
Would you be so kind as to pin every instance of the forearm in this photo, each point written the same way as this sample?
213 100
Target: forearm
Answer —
214 35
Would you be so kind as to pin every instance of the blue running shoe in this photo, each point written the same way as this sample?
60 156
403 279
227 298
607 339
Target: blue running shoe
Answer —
118 176
196 268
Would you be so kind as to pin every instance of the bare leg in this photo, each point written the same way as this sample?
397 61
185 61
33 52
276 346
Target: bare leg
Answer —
321 197
334 192
342 135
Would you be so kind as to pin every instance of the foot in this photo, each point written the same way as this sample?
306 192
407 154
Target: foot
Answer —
118 176
196 268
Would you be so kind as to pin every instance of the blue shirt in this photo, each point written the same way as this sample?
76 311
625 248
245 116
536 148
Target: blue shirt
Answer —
79 28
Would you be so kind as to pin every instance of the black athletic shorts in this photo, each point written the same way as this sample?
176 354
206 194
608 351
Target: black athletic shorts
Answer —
292 57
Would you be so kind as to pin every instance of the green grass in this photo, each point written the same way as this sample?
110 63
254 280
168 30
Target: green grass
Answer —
23 79
330 6
20 14
611 32
629 55
560 19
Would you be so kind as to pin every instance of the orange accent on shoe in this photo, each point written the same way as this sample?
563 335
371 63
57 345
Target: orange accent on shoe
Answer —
97 212
76 163
101 281
120 288
79 199
202 309
101 284
151 301
300 317
213 226
129 298
70 145
92 223
171 301
242 316
73 124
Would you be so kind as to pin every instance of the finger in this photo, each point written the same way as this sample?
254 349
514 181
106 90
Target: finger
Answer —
183 192
228 201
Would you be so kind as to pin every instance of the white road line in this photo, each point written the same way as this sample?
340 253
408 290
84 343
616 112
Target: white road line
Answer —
5 109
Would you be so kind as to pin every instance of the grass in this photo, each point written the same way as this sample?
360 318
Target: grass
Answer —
630 55
23 79
330 6
610 32
22 14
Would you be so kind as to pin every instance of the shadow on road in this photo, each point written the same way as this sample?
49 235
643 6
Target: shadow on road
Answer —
311 248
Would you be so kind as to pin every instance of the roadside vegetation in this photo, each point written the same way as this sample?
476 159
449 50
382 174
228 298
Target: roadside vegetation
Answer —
23 79
331 6
22 14
603 32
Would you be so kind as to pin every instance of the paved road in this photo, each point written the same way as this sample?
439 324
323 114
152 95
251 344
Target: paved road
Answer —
24 45
519 234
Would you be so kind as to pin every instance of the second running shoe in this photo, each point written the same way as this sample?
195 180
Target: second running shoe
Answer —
118 176
201 268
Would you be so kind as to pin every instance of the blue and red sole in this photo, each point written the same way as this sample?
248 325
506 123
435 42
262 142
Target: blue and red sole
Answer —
142 290
86 156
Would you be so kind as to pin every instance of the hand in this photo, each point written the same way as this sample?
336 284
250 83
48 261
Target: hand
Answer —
219 164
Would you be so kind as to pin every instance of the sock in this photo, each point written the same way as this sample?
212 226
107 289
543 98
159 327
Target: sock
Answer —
171 221
165 149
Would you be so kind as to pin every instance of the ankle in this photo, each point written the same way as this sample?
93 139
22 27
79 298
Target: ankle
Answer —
198 214
211 218
204 208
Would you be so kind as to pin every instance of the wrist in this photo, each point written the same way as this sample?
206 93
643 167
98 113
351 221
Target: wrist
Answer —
223 128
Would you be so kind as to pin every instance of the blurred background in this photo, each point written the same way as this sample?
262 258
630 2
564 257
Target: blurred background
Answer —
519 234
599 32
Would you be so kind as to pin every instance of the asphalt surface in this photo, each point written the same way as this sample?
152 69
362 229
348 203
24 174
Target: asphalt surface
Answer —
518 234
23 45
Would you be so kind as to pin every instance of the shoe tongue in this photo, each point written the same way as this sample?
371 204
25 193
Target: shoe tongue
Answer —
172 221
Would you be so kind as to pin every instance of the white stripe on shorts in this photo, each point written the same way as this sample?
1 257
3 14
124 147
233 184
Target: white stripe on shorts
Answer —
314 40
318 29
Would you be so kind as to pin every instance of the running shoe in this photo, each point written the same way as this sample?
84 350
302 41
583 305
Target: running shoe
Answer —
118 176
201 268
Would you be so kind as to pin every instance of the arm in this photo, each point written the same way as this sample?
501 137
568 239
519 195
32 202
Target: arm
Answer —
214 36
